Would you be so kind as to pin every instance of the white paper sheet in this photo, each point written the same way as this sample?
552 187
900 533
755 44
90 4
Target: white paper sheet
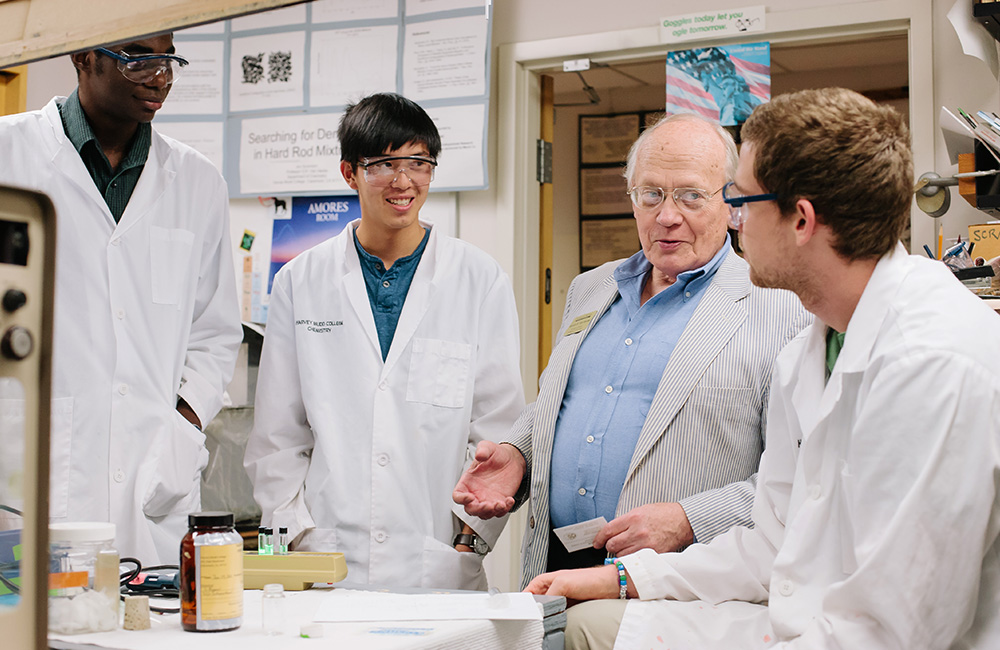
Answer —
204 137
294 15
416 7
198 90
461 161
350 606
976 41
348 64
329 11
266 71
577 537
445 58
290 154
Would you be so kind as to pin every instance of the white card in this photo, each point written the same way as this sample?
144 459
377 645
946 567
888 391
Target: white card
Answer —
577 537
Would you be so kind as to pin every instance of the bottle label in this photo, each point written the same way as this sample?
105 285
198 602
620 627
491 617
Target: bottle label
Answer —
220 582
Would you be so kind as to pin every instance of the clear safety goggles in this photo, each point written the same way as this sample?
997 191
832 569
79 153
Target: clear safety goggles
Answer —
143 68
688 199
737 203
384 170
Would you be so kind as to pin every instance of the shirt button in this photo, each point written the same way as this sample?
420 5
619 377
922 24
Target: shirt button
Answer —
687 294
383 459
582 491
590 438
123 389
120 314
608 389
380 537
385 283
119 476
628 341
815 491
786 588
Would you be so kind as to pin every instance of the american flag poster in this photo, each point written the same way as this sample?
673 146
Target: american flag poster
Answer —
722 83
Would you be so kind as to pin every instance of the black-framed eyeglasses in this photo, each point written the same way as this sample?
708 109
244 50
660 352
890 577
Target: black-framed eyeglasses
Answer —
737 215
143 68
688 199
383 170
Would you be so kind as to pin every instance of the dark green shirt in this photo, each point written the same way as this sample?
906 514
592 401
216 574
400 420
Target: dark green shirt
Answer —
834 344
115 187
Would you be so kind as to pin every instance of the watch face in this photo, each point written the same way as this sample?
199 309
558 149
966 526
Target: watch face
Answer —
479 545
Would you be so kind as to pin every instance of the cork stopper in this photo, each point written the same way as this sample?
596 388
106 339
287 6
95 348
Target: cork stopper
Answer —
136 613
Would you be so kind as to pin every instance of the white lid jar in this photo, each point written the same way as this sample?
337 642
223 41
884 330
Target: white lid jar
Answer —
83 577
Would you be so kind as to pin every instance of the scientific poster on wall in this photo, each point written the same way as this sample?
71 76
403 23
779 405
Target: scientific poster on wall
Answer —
204 137
198 89
460 163
266 71
723 83
444 58
290 155
348 64
330 11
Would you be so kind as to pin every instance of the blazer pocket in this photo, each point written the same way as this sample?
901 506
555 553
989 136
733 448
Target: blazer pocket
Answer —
439 372
169 258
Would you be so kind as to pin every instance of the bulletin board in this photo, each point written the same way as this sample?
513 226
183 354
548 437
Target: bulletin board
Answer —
264 94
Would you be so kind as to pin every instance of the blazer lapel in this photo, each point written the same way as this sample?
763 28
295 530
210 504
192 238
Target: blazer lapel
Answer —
714 322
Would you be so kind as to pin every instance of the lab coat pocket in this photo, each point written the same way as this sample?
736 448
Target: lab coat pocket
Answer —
439 372
12 442
446 568
318 540
173 466
169 258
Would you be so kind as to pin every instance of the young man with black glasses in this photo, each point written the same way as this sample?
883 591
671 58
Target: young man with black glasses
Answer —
391 351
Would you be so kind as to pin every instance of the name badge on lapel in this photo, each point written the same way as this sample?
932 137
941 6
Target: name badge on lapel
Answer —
580 323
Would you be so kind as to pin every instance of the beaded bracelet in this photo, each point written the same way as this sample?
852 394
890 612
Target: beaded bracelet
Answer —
622 584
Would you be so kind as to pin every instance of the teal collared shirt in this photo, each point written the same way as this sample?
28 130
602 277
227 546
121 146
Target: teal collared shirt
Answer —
115 186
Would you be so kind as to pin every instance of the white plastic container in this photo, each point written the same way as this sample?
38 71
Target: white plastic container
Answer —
83 578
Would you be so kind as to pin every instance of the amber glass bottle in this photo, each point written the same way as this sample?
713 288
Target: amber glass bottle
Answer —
211 574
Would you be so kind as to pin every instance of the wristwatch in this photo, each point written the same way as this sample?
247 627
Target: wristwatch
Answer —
473 541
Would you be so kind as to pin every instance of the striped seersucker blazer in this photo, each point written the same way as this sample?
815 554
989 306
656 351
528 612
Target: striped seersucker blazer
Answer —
702 439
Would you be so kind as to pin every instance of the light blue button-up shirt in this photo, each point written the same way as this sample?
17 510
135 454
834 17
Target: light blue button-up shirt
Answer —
611 386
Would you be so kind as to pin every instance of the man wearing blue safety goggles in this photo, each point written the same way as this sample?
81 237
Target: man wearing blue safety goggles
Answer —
146 319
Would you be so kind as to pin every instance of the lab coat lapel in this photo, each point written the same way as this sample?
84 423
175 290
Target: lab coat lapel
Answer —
66 160
418 299
715 321
354 285
158 174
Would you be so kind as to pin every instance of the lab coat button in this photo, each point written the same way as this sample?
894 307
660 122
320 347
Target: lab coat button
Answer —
582 491
608 389
382 386
590 438
115 242
380 537
628 341
383 459
815 492
120 314
786 588
123 389
119 476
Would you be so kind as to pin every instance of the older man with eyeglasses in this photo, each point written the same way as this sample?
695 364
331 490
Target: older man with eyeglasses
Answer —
650 413
146 319
391 351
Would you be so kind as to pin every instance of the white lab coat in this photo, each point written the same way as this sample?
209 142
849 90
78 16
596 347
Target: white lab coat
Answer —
881 530
145 310
362 456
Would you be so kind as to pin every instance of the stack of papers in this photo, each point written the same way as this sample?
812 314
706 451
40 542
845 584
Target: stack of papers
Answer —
346 606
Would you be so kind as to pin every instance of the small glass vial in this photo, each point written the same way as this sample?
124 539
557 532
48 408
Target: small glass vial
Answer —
269 541
211 574
273 609
282 540
261 541
83 578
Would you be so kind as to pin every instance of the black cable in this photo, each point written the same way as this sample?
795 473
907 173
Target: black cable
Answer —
160 591
14 511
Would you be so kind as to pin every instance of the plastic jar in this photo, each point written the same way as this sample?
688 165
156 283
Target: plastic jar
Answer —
83 578
211 574
272 609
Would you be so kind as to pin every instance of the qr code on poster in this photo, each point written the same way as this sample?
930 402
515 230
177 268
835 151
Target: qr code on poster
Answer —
279 67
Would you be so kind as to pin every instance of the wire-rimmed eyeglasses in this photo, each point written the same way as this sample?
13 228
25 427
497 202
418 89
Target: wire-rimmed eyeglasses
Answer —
688 199
737 215
143 68
382 171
